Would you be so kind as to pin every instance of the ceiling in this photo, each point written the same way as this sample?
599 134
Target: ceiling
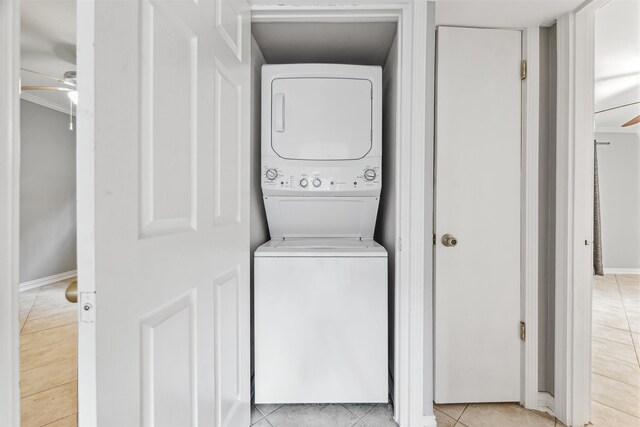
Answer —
617 63
48 34
362 43
48 44
502 13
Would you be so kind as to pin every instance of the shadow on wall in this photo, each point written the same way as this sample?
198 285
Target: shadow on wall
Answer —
47 193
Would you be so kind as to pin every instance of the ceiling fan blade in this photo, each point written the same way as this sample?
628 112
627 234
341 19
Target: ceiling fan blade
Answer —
63 81
632 122
63 89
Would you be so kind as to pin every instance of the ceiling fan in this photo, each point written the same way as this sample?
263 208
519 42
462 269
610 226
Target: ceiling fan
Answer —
68 81
631 122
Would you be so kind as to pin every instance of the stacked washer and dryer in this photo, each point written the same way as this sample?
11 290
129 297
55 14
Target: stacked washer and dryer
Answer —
320 290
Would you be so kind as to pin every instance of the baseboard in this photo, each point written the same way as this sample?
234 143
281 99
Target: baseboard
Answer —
622 271
429 421
546 402
25 286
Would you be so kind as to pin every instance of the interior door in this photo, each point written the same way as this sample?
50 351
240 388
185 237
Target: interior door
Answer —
477 270
163 195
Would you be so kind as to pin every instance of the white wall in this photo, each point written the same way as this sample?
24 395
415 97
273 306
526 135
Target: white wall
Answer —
386 232
619 173
47 193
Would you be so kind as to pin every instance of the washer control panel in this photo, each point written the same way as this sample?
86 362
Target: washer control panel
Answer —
330 179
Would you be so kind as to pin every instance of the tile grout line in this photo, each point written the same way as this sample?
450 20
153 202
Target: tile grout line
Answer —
29 312
609 406
612 379
48 389
48 329
45 329
615 409
55 421
461 413
624 308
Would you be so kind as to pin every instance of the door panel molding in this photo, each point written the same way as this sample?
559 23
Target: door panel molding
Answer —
226 18
228 167
182 312
228 313
168 167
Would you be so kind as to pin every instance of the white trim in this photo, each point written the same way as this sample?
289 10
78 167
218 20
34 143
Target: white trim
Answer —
617 130
9 214
85 194
416 220
429 189
429 421
31 284
45 103
546 402
574 213
564 218
529 254
614 270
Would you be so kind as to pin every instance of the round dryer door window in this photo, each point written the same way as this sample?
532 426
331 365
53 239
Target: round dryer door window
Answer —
321 118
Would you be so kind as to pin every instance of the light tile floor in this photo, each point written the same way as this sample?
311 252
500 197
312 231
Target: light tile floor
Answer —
321 415
381 415
615 367
48 357
48 371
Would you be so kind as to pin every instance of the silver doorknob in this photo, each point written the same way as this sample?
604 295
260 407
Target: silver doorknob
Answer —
449 241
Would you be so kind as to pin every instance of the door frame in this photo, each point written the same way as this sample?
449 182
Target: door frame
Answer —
9 212
574 213
413 394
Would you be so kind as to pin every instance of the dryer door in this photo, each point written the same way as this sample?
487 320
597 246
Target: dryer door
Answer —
321 118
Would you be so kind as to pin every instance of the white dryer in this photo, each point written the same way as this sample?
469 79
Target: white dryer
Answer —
320 291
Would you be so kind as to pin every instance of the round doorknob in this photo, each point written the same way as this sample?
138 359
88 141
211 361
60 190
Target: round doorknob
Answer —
449 241
72 292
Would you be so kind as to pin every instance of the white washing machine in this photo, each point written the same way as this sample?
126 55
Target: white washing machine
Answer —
320 291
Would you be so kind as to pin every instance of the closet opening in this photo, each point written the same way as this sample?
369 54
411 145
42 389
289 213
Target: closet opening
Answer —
336 42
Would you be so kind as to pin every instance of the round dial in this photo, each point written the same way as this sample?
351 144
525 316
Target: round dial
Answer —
317 182
304 182
271 174
369 174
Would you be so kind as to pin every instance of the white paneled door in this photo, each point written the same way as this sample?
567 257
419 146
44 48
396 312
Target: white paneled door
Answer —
163 175
477 203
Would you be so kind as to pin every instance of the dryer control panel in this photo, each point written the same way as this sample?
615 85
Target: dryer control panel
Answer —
364 179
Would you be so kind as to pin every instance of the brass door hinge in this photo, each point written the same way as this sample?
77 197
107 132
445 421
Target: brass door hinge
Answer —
523 331
523 69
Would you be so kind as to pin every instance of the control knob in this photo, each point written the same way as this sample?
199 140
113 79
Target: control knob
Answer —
271 174
317 182
369 174
304 182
